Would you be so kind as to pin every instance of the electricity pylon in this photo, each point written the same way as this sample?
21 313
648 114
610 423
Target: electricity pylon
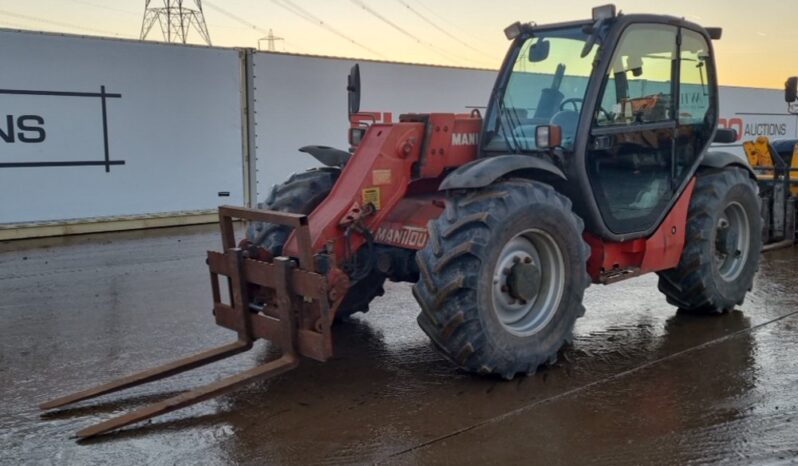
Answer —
270 39
175 20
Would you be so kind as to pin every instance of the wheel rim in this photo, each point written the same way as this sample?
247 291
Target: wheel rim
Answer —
732 241
528 282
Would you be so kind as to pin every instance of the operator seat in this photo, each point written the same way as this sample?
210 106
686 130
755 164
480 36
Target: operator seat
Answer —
567 120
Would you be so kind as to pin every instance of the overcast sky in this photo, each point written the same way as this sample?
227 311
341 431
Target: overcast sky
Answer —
759 46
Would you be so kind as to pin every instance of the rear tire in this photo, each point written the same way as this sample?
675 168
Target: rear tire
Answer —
502 278
722 245
301 194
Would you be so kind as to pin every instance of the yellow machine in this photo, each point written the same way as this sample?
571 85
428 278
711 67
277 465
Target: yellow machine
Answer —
760 156
776 165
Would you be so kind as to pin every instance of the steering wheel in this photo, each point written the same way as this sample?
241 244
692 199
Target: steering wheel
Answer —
577 103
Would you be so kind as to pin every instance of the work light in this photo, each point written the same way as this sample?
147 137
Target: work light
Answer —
512 31
603 12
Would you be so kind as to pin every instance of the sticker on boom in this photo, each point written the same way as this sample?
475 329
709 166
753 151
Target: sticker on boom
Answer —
381 177
371 196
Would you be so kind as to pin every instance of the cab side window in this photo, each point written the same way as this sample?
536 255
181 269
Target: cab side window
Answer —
695 90
638 85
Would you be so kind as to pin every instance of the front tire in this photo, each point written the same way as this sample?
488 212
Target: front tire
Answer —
722 245
301 194
502 278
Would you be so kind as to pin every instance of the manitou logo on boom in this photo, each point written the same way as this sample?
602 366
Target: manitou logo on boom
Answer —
465 139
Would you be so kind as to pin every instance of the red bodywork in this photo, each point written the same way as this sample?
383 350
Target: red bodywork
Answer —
397 169
612 261
390 186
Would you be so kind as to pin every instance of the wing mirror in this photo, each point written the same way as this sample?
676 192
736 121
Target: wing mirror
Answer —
353 89
539 51
791 90
725 136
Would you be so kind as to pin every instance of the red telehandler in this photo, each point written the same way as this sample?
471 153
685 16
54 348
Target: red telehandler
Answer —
591 164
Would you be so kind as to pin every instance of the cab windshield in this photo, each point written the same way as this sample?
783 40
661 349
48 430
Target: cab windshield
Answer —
546 85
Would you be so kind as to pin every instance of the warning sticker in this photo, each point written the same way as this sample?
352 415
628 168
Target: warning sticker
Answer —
381 177
372 196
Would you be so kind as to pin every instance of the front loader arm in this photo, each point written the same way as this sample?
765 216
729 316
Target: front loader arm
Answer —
377 174
377 177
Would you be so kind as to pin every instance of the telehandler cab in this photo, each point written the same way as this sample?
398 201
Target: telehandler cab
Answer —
591 164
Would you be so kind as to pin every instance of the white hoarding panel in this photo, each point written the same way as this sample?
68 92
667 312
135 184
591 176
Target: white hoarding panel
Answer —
755 112
302 101
94 128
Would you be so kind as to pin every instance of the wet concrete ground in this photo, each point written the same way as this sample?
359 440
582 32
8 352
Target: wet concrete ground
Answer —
641 383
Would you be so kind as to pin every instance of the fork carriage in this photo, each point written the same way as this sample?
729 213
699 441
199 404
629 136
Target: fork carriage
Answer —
277 299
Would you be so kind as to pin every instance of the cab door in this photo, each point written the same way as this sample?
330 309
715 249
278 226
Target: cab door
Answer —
697 105
632 144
